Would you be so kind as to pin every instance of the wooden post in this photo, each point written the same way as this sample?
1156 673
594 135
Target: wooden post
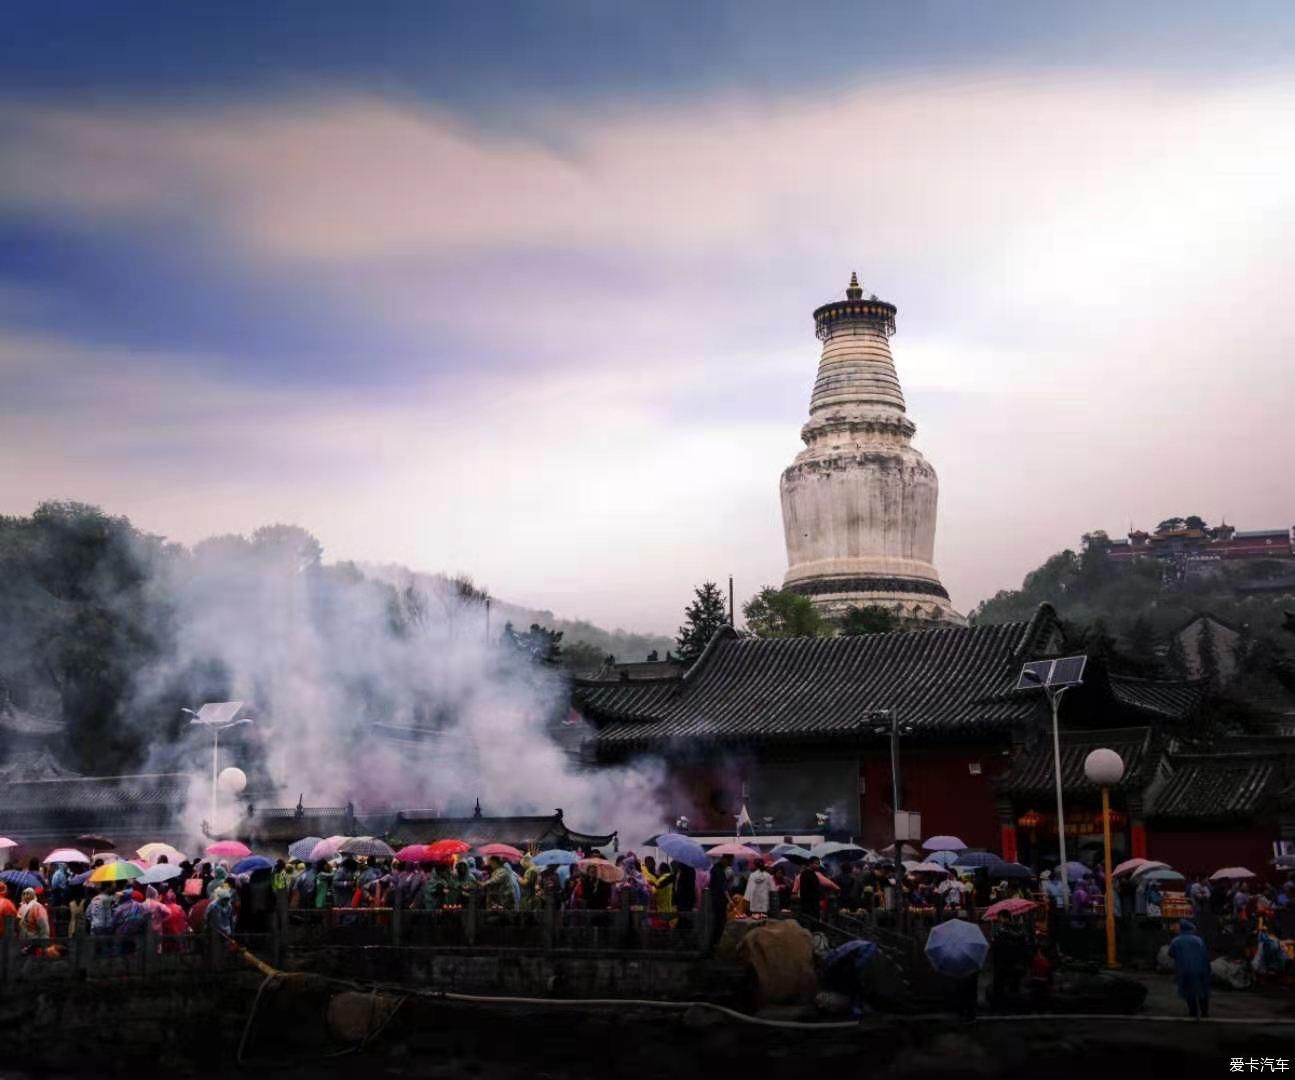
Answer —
1111 961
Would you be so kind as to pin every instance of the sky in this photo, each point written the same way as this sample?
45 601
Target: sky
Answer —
524 290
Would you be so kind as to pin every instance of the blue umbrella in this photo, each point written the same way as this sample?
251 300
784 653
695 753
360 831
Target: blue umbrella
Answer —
21 879
684 849
155 875
957 948
978 858
857 952
252 862
1076 871
555 857
792 851
943 858
302 848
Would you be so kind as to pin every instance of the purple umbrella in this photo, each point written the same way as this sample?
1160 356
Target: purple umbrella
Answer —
684 849
22 879
943 843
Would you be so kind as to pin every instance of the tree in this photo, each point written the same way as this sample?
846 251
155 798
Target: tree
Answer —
582 658
871 619
780 613
1176 657
1195 521
1140 648
704 617
542 645
1171 524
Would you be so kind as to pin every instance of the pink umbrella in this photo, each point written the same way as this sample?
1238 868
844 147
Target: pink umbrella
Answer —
928 868
414 853
1126 866
228 849
5 842
1017 905
503 851
739 851
1231 873
602 868
327 849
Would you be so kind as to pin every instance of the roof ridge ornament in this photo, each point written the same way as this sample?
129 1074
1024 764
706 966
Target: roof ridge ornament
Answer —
854 291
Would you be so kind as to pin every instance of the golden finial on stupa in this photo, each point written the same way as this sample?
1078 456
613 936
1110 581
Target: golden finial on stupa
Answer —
855 290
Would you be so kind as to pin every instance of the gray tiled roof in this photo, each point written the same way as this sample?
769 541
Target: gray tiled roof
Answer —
1215 785
1172 699
1033 771
752 689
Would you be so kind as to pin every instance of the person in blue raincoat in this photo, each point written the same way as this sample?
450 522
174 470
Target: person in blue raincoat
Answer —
1191 969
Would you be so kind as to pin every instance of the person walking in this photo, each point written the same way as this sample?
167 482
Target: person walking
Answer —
1191 969
759 887
718 898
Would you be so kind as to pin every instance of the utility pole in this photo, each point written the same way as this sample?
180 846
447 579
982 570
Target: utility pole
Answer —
730 599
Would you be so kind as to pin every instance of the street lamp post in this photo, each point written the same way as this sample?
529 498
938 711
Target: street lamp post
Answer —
1054 692
1105 768
892 728
216 719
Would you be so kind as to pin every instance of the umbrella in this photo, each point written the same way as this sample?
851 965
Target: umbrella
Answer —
413 853
1077 871
791 850
556 857
854 956
823 880
327 849
501 851
1162 875
94 841
252 862
152 852
976 858
301 849
228 849
1148 866
926 868
831 848
602 868
159 873
1231 873
1126 866
21 879
1017 905
1009 870
443 849
739 851
943 843
957 948
944 858
683 849
5 842
369 846
80 879
115 871
67 854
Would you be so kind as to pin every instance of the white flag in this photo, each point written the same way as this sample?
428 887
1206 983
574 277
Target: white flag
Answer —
744 818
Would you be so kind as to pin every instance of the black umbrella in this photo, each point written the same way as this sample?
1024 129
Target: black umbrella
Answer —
98 843
1009 871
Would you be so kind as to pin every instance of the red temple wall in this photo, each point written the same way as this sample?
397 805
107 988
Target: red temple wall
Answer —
1204 850
938 784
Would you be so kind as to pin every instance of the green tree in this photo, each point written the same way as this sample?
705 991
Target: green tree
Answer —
581 658
1140 648
1176 657
780 613
703 619
542 645
1207 653
870 619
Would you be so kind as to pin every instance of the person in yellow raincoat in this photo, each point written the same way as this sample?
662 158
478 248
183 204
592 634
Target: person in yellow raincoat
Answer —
660 880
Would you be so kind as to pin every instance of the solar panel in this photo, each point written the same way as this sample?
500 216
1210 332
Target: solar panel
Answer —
1068 671
219 712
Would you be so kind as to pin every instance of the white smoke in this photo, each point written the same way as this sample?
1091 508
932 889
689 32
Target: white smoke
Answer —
334 663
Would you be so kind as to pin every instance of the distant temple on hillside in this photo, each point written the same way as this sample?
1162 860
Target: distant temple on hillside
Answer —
1191 540
859 502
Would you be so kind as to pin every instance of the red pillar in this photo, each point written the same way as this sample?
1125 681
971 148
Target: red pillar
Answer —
1138 839
1007 835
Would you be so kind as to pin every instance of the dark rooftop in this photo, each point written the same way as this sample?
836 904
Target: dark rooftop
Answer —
1215 785
1033 772
799 689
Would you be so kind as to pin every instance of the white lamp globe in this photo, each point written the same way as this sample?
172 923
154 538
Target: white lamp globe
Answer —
232 780
1104 767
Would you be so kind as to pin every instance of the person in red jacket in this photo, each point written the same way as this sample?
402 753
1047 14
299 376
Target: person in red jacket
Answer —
7 910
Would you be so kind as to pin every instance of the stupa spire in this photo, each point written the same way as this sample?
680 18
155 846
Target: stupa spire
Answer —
854 291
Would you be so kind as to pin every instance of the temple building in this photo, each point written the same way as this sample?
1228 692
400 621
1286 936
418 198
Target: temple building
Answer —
859 502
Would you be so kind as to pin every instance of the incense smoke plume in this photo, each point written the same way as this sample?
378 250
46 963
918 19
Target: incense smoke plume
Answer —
383 693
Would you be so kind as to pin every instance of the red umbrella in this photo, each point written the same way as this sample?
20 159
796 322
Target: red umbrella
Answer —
503 851
823 880
229 849
1016 905
442 850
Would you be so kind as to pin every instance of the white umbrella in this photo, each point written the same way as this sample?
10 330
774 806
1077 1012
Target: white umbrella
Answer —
67 854
927 868
1231 873
1128 865
1147 867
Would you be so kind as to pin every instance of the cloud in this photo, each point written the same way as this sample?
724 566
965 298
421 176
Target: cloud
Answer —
1090 274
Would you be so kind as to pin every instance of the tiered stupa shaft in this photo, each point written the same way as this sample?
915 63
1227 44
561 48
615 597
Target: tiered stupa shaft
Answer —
859 503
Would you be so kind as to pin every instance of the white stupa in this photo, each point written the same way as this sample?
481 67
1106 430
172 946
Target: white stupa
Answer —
859 502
